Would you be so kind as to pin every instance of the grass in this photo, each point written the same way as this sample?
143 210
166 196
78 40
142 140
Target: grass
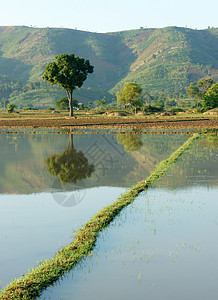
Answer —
30 286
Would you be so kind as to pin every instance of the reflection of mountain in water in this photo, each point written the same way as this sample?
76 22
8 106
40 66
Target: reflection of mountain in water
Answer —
198 166
23 167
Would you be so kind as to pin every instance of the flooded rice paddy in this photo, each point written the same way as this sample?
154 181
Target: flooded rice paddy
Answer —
163 246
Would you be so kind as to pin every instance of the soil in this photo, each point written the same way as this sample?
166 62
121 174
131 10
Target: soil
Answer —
115 122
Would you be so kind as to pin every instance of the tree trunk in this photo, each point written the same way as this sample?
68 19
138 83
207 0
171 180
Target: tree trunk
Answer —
69 95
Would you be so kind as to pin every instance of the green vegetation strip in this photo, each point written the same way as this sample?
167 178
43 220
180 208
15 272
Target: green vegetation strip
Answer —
29 286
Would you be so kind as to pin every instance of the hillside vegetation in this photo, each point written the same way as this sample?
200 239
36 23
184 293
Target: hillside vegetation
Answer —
161 60
169 59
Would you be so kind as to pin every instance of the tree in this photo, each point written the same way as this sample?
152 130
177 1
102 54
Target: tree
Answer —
70 165
130 93
137 103
198 91
11 107
63 103
69 72
90 104
131 142
100 103
160 103
210 99
204 85
148 97
170 103
193 91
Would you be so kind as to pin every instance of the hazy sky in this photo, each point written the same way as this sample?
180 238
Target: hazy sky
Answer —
113 15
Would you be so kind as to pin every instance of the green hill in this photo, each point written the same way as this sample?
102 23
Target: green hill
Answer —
169 59
165 59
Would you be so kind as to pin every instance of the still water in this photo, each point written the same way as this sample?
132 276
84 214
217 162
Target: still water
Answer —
43 200
28 164
163 246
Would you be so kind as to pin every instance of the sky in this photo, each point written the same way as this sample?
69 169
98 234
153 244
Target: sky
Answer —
109 16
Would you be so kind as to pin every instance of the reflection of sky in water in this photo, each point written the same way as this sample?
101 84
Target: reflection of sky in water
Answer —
34 227
163 246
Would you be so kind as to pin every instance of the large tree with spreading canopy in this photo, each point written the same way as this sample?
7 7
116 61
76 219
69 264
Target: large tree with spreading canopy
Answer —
69 72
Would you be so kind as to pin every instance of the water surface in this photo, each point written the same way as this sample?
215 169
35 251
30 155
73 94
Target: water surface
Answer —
163 246
41 205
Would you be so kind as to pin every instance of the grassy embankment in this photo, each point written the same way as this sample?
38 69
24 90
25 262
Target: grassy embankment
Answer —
29 286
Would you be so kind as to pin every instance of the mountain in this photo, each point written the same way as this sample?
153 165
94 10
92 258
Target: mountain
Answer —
169 59
161 60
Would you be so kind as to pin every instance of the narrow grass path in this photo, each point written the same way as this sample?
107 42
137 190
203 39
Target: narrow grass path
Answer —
29 286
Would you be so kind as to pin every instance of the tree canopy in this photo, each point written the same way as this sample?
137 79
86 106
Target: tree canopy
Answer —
198 91
210 99
100 103
69 72
130 93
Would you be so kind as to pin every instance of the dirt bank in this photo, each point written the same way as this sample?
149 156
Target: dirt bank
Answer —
119 122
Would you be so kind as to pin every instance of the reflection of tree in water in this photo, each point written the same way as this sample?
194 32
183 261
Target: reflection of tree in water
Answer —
70 165
131 142
197 166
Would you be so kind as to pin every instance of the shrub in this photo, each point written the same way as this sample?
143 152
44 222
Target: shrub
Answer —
176 109
11 107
